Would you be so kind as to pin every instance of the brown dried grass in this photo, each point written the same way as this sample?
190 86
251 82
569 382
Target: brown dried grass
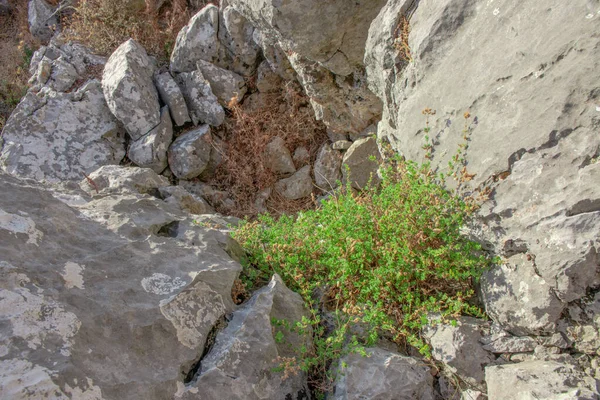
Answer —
244 173
16 47
104 24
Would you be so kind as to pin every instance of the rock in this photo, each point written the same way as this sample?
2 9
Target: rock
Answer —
129 90
358 166
459 349
520 300
196 41
63 75
185 200
56 137
278 158
189 154
238 51
296 186
171 95
328 168
471 394
529 142
90 314
383 375
218 155
115 179
540 380
586 339
150 151
301 157
275 56
267 81
511 344
42 20
203 105
260 204
5 7
556 340
242 361
42 74
216 198
341 145
226 85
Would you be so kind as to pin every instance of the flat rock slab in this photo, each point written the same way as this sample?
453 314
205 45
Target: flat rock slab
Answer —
58 137
129 90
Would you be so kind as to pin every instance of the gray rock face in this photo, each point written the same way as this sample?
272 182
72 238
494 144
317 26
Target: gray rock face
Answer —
238 51
301 157
533 140
383 375
358 166
150 151
189 154
42 20
296 186
203 105
55 136
519 299
129 90
197 40
459 348
278 158
115 179
539 380
63 75
328 168
171 95
266 80
241 362
90 314
226 85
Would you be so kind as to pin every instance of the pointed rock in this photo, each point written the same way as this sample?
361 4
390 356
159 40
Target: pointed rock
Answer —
150 151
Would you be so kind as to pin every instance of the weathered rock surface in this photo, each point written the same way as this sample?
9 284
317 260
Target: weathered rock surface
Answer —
129 90
301 157
358 165
202 104
534 134
171 95
278 158
240 364
197 40
42 20
539 380
519 299
238 51
226 85
296 186
459 348
266 80
150 151
383 375
54 136
328 168
90 314
189 154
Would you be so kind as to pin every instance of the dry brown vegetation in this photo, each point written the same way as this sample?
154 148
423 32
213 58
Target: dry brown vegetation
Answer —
104 24
244 174
16 47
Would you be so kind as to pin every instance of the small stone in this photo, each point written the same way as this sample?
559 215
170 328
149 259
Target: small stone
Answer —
226 85
278 158
301 157
189 154
341 145
202 104
296 186
267 81
328 168
63 75
171 95
150 151
511 344
42 20
362 160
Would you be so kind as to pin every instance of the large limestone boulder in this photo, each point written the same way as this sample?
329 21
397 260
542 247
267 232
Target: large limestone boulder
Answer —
129 90
383 375
532 134
241 365
238 51
197 40
539 380
150 151
56 137
88 313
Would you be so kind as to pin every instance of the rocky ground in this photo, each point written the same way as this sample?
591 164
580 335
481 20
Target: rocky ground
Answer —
120 281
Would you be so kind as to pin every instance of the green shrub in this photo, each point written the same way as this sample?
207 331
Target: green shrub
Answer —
385 258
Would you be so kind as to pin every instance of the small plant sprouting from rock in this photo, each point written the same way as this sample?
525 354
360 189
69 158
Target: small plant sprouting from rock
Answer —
382 260
401 34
